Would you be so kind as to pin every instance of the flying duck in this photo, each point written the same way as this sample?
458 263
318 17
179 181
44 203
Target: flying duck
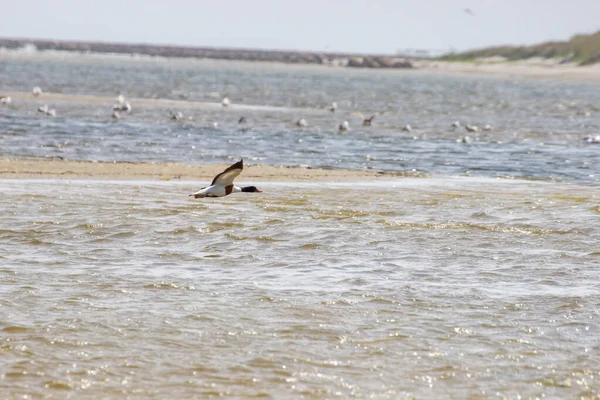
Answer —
222 184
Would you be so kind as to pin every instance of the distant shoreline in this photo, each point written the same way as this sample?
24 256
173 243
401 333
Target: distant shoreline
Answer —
537 68
349 60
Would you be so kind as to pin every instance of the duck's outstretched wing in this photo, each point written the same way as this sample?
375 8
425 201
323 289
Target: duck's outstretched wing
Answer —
226 177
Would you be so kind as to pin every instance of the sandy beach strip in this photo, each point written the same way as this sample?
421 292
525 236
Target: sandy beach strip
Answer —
166 103
533 68
31 168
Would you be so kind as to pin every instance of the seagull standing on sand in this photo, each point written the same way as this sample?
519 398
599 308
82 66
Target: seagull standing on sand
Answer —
332 107
226 102
37 91
5 100
222 185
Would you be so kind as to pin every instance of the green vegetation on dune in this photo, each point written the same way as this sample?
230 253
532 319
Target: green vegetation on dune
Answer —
583 49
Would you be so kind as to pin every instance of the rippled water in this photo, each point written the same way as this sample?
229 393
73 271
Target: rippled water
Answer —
538 125
425 288
461 287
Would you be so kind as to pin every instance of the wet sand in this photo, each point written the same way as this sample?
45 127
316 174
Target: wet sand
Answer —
25 168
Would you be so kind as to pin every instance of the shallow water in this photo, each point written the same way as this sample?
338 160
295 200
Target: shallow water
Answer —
417 288
460 285
538 125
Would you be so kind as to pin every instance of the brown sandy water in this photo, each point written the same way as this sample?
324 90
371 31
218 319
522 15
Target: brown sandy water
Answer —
413 288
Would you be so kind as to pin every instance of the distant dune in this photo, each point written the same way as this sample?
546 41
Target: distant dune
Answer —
580 49
293 57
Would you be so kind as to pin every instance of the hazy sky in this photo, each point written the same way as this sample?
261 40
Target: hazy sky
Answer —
352 25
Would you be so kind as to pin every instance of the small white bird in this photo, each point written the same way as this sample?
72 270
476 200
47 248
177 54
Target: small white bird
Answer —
589 139
37 91
5 100
488 128
344 127
51 113
407 128
464 139
301 122
116 115
43 109
120 99
332 107
226 102
122 107
222 184
455 125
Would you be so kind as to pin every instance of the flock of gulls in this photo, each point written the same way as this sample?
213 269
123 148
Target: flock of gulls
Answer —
123 106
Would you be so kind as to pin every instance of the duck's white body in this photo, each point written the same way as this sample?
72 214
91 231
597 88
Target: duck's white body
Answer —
217 191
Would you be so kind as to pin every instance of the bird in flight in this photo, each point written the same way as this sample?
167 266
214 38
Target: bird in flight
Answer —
222 185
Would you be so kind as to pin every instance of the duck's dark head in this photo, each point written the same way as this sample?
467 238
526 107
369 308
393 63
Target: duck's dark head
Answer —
251 189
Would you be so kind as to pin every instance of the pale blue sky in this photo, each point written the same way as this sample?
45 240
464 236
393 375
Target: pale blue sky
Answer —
353 25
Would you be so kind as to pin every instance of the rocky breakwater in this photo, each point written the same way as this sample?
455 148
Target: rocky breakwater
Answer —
283 56
378 62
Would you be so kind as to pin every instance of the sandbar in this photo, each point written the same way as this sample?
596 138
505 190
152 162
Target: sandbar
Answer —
34 168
